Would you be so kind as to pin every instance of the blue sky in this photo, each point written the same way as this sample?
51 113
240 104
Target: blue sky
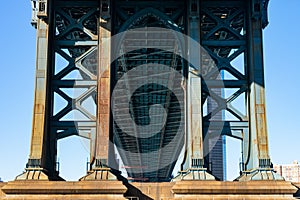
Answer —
282 80
17 41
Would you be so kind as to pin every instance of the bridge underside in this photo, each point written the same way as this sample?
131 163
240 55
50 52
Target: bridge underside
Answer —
154 91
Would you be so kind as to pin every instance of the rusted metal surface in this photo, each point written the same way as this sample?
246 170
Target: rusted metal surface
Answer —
194 159
38 140
103 100
40 92
194 87
99 160
257 115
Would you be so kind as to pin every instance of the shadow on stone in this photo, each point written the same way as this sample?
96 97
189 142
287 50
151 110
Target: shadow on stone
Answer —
132 191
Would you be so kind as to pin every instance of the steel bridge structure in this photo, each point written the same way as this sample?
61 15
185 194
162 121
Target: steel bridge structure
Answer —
80 67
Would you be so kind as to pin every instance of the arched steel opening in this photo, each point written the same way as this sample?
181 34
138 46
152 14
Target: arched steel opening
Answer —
146 158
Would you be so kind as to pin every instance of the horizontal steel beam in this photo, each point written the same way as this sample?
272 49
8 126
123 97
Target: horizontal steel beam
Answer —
224 43
77 4
72 43
72 124
73 83
171 4
234 125
225 83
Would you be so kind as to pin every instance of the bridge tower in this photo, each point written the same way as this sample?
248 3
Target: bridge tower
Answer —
77 33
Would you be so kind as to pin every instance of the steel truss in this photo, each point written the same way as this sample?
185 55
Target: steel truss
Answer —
72 32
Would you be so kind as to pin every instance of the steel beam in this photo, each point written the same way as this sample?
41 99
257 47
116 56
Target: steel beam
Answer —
38 167
257 161
193 165
99 161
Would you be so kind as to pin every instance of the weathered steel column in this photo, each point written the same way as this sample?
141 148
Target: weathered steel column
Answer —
194 162
99 161
41 162
258 165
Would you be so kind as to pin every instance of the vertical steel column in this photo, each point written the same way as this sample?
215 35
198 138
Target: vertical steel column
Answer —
194 162
194 95
257 117
100 165
259 165
41 165
103 109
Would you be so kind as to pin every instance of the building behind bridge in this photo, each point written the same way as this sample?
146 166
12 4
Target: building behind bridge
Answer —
290 172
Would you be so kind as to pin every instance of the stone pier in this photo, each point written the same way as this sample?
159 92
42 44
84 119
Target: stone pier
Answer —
180 190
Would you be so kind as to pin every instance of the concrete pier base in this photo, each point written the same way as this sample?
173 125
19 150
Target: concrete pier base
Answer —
61 190
217 190
179 190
